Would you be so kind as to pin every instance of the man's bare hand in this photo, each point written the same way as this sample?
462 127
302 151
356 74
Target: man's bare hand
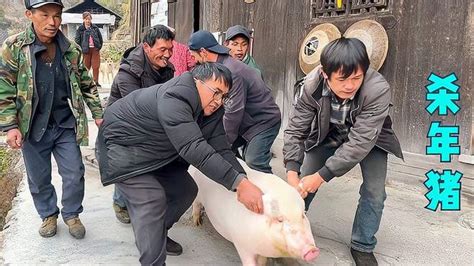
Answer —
311 183
294 181
14 138
250 195
98 121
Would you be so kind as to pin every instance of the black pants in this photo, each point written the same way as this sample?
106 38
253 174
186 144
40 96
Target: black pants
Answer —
156 201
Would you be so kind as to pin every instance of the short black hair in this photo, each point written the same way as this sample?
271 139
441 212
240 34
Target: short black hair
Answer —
345 54
158 32
218 71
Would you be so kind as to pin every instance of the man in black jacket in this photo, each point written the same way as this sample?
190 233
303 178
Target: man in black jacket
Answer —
141 67
252 118
342 119
148 140
146 64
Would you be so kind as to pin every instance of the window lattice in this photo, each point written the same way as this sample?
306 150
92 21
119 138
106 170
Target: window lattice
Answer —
337 8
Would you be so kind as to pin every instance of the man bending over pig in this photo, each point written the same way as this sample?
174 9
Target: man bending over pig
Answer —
149 139
342 119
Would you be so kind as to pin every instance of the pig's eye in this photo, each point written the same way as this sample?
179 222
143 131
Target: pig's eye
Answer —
280 219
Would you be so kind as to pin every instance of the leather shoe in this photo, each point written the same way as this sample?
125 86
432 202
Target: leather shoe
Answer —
49 226
363 258
121 213
76 228
173 248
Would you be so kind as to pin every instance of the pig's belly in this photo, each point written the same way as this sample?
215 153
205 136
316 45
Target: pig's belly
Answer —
221 209
233 221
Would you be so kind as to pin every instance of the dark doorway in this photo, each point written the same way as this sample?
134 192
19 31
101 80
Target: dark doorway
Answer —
197 7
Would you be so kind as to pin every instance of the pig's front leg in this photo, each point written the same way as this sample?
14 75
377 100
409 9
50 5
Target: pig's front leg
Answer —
249 258
197 213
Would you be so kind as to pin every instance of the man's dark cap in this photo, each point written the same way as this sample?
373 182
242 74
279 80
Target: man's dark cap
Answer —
31 4
205 39
236 30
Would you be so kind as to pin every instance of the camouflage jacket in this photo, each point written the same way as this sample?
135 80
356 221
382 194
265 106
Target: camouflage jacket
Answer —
17 85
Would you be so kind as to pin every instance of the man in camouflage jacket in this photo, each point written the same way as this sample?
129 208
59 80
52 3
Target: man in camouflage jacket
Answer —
43 87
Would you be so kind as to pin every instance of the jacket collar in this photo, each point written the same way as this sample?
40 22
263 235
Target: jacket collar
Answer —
221 58
318 93
187 80
30 35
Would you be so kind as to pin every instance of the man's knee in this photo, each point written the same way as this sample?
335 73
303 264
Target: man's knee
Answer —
374 195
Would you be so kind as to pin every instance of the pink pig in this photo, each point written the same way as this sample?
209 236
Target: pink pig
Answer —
282 231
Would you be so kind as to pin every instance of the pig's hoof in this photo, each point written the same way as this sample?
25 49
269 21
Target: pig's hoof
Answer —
197 220
197 213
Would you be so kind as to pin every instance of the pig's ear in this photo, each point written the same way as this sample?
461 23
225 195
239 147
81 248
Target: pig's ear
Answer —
270 205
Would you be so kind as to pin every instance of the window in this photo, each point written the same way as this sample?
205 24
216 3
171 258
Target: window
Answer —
339 8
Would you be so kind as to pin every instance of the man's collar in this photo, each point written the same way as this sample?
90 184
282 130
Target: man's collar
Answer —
220 58
246 58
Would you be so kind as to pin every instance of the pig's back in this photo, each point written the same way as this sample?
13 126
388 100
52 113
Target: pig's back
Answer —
230 217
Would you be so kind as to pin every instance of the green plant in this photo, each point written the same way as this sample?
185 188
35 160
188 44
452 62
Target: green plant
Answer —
113 50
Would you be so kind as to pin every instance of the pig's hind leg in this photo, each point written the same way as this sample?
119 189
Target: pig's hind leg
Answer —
197 213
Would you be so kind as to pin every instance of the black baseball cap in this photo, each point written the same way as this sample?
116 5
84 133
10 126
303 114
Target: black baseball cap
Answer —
30 4
205 39
236 30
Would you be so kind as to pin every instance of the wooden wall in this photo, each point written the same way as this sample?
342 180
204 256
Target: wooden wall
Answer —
181 17
430 36
425 36
279 27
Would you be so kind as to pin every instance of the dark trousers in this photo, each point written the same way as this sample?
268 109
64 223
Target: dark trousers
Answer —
155 201
61 142
372 193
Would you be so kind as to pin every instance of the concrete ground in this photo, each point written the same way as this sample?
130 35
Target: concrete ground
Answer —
409 233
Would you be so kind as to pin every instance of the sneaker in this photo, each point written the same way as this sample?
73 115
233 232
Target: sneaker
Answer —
76 229
49 226
173 248
98 85
121 213
363 258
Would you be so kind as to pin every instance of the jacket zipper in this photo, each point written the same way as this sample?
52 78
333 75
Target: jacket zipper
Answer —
319 127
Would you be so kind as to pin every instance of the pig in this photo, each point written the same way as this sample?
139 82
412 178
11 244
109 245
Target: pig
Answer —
283 230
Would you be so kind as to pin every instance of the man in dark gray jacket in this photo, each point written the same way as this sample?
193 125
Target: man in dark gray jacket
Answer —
252 118
342 119
141 67
147 142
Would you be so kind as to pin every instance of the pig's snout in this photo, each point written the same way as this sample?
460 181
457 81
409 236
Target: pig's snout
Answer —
310 253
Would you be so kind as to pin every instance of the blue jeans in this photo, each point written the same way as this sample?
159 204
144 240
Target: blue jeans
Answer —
372 193
61 142
118 198
257 152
